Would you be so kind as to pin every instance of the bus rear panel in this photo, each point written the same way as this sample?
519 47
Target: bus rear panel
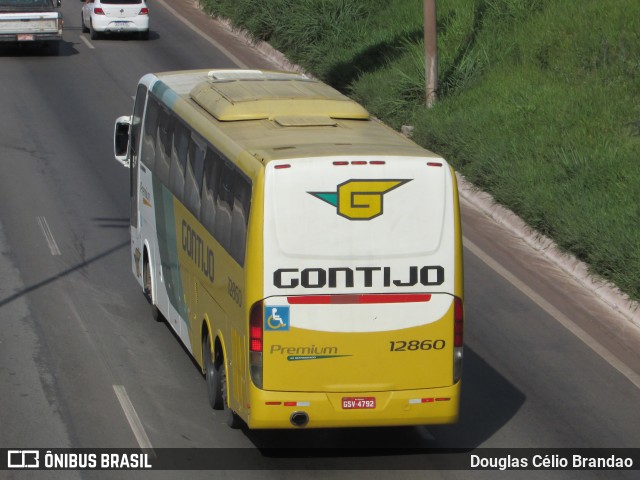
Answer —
360 306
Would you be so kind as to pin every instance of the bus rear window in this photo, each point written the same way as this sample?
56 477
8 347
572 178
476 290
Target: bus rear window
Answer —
317 210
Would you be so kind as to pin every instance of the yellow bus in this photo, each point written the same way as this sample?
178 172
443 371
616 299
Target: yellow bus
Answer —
308 256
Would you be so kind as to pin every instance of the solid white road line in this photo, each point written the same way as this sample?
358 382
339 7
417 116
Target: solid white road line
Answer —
195 29
46 231
591 342
87 42
132 417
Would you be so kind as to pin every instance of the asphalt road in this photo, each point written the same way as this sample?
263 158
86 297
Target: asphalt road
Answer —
83 364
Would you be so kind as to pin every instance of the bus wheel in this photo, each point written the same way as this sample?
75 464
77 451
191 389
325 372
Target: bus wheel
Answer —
148 290
231 417
212 374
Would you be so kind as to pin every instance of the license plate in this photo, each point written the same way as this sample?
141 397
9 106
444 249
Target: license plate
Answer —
350 403
24 37
121 24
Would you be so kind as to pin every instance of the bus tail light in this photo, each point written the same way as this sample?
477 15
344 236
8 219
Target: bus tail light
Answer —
458 322
256 337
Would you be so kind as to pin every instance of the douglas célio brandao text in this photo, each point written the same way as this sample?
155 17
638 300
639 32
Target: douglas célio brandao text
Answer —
551 461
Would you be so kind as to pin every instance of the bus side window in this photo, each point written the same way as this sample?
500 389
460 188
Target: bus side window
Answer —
224 205
136 123
150 129
193 176
163 146
212 167
178 160
240 217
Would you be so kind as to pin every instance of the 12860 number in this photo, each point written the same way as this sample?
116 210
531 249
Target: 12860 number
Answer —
413 345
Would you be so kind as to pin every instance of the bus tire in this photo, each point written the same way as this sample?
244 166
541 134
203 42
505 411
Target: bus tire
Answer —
230 417
148 290
212 375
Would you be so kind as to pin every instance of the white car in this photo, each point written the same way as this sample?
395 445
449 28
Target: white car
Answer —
115 16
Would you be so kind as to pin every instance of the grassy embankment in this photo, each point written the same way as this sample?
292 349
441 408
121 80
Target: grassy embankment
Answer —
539 100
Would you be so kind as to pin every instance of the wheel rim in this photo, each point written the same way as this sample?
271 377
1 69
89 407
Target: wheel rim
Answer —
208 364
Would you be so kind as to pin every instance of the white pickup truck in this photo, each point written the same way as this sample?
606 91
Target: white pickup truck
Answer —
31 21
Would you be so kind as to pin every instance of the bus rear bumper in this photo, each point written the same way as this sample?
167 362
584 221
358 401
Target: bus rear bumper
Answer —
347 409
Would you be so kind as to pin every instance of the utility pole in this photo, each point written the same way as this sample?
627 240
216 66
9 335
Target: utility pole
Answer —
430 51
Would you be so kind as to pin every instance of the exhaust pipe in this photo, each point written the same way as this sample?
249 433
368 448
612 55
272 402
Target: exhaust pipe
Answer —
299 419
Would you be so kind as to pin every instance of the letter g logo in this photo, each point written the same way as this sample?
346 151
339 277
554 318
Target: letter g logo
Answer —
359 199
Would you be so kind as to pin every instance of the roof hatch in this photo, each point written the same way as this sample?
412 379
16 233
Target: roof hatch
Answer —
231 95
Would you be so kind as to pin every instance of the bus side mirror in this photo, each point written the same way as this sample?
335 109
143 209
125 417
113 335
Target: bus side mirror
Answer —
121 139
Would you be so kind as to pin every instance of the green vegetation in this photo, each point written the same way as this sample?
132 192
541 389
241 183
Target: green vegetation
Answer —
539 100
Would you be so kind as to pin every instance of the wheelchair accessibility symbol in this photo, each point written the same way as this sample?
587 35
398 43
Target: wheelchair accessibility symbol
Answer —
276 318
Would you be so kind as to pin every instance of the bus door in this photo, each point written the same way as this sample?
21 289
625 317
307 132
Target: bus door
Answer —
135 133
